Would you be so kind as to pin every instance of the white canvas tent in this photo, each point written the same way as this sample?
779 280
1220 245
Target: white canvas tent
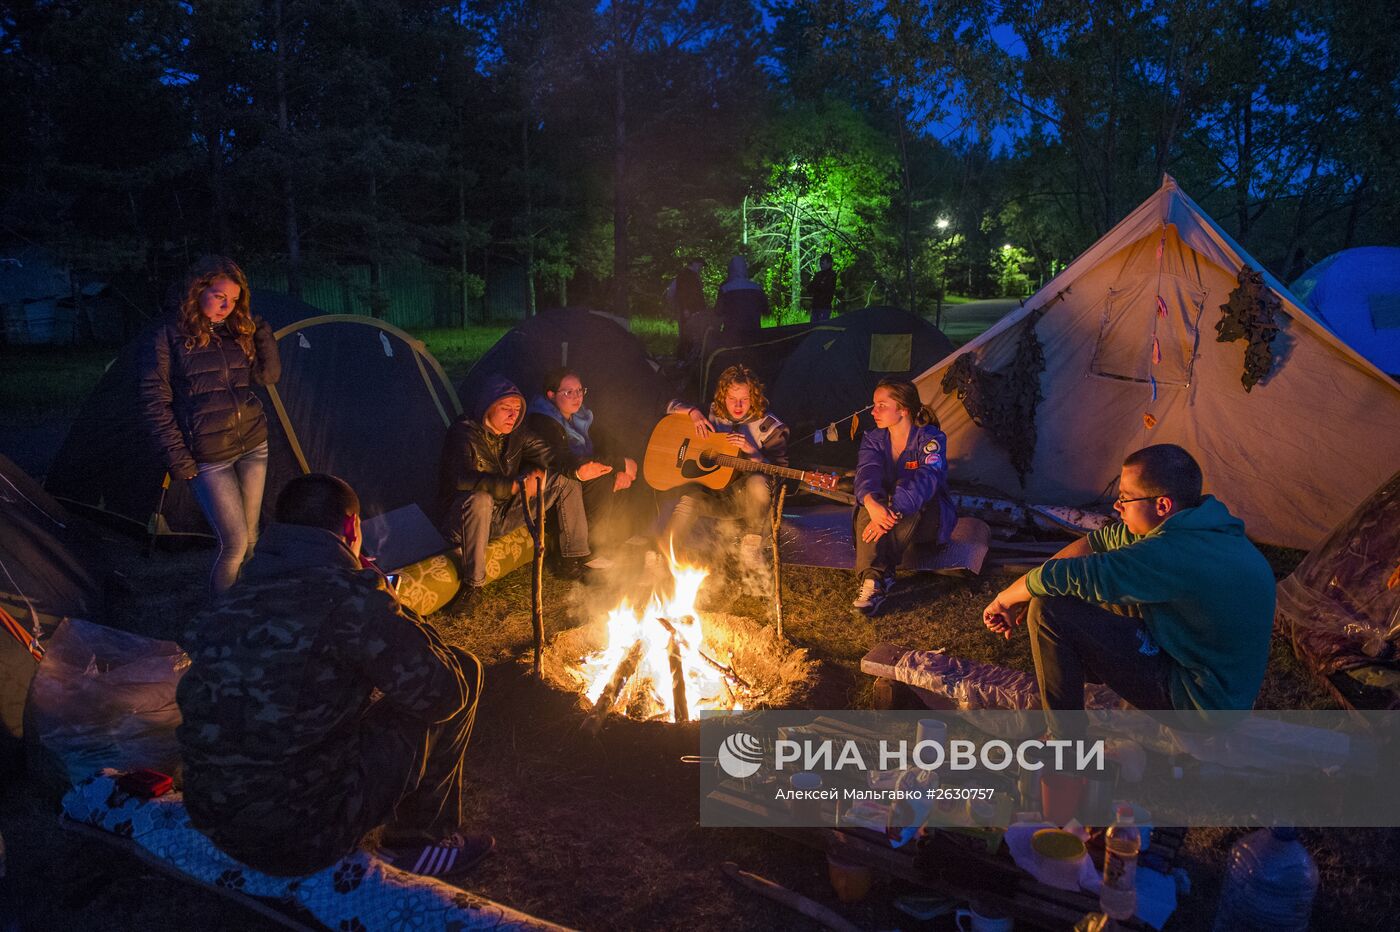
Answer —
1292 457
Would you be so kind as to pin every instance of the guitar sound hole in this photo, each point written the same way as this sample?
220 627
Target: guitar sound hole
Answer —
706 459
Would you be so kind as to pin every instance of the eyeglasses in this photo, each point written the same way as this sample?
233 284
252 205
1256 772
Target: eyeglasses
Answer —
1140 498
572 392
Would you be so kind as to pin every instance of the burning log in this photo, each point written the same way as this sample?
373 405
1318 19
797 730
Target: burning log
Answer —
714 664
608 698
678 700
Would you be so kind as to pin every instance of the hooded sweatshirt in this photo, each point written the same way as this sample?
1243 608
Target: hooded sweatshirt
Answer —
741 303
1204 592
476 458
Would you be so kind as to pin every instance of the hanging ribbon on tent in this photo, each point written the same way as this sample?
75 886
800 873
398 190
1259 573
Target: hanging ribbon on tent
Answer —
1149 421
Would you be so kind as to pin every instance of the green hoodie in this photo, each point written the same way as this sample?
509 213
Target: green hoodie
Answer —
1205 594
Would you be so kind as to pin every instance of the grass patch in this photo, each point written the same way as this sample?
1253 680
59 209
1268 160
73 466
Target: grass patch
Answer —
458 348
658 334
43 382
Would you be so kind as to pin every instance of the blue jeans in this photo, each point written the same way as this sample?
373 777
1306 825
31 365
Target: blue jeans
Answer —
231 494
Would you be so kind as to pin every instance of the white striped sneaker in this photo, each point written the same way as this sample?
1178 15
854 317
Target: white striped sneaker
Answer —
454 853
871 594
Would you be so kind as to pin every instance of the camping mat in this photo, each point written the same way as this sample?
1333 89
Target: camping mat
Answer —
429 584
358 892
822 536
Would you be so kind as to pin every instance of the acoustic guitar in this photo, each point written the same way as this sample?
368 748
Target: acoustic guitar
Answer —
676 456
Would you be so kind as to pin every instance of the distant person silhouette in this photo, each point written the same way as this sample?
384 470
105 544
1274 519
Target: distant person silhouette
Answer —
741 303
823 290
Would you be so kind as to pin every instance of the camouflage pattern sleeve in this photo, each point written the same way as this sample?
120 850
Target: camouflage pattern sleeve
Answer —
403 656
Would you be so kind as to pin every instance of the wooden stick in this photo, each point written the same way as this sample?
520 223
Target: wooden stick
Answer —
678 700
608 698
535 526
794 901
777 521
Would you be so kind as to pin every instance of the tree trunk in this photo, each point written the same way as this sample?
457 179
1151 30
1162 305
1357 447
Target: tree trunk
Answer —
462 244
621 258
289 202
216 188
795 301
1354 213
908 232
376 269
530 308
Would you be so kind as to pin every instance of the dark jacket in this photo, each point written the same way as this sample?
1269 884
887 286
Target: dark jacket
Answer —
823 289
280 678
690 294
198 403
741 303
915 480
477 459
544 421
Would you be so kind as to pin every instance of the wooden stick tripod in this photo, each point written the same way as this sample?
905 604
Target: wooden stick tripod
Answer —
776 519
535 525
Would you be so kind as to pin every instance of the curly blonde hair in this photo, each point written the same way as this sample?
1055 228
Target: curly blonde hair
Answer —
193 324
739 375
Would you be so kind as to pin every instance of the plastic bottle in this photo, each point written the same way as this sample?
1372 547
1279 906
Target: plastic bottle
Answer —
1270 882
1118 898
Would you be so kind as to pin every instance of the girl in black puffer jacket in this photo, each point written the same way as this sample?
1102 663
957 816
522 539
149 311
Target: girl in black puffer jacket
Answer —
197 373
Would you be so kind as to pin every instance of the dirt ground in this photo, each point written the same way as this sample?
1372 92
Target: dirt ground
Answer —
602 833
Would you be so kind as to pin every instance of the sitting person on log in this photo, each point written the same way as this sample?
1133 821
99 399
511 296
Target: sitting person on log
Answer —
561 419
487 460
739 411
317 708
901 489
1172 608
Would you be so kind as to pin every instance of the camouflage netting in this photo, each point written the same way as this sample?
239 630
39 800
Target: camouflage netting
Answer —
776 672
1250 315
1341 606
1004 403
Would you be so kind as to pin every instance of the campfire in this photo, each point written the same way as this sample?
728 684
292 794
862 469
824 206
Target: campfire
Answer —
668 661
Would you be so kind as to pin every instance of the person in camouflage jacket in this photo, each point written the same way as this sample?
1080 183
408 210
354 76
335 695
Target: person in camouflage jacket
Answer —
317 707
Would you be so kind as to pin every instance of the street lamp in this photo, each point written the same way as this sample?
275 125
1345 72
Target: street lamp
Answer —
941 223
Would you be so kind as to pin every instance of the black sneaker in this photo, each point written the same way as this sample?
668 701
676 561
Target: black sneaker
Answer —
466 601
449 856
572 568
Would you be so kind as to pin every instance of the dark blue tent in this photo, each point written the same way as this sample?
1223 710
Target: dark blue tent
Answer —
834 369
625 391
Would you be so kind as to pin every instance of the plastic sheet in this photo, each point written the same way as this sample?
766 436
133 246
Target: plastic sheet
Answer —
106 698
976 685
1337 604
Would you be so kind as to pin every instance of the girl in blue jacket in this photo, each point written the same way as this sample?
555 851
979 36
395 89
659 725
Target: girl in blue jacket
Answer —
901 488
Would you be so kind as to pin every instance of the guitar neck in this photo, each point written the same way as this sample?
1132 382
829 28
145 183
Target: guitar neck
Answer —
743 465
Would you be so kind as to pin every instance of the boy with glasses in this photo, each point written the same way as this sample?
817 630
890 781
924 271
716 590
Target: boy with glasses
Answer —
1172 607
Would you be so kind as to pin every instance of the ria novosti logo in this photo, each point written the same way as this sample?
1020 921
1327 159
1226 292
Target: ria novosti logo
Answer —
741 755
